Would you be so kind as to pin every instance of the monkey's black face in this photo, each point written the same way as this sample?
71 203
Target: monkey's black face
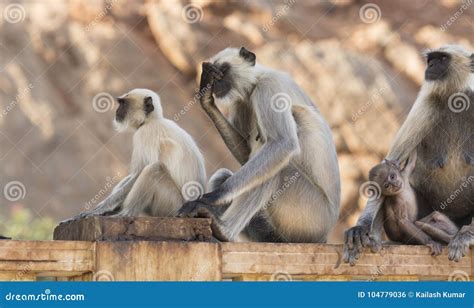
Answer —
223 83
122 110
437 65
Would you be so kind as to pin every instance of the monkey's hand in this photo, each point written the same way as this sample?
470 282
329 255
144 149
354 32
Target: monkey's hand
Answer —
436 248
459 246
198 209
355 239
210 74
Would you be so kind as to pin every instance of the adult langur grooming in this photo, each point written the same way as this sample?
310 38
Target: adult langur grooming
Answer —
165 161
440 127
287 189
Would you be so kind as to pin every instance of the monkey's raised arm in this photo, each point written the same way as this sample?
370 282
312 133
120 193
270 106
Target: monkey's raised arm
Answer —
420 120
281 143
234 140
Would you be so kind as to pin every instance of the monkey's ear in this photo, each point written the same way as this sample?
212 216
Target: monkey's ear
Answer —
148 105
247 55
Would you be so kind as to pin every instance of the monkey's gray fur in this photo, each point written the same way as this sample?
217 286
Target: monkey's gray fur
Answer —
440 127
165 161
288 187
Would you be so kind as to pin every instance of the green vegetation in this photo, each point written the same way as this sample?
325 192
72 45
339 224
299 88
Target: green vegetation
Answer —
22 223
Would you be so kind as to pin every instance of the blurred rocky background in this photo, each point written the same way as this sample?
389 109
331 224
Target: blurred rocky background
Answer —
61 62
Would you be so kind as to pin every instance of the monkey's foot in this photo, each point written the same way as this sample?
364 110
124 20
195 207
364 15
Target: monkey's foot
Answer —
196 209
355 239
459 246
436 248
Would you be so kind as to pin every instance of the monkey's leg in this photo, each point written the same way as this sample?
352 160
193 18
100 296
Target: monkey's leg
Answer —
416 235
245 207
238 214
156 189
459 245
219 177
438 226
113 202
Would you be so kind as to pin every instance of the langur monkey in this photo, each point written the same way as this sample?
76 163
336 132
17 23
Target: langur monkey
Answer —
165 161
440 128
288 187
398 213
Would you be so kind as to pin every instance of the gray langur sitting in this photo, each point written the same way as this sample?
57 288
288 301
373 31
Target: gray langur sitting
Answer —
440 128
166 162
288 187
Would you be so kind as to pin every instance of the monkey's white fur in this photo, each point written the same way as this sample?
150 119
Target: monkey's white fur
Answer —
164 159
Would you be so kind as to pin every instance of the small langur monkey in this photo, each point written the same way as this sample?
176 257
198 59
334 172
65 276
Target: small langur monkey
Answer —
164 160
399 211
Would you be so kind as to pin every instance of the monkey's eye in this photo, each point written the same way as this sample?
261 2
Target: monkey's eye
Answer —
444 58
386 185
392 176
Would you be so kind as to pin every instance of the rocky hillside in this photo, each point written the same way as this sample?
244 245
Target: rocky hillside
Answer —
62 63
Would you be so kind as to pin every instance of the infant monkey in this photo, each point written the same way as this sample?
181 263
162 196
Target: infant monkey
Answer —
399 211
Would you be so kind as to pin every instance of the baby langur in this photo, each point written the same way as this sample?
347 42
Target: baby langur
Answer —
165 161
399 210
